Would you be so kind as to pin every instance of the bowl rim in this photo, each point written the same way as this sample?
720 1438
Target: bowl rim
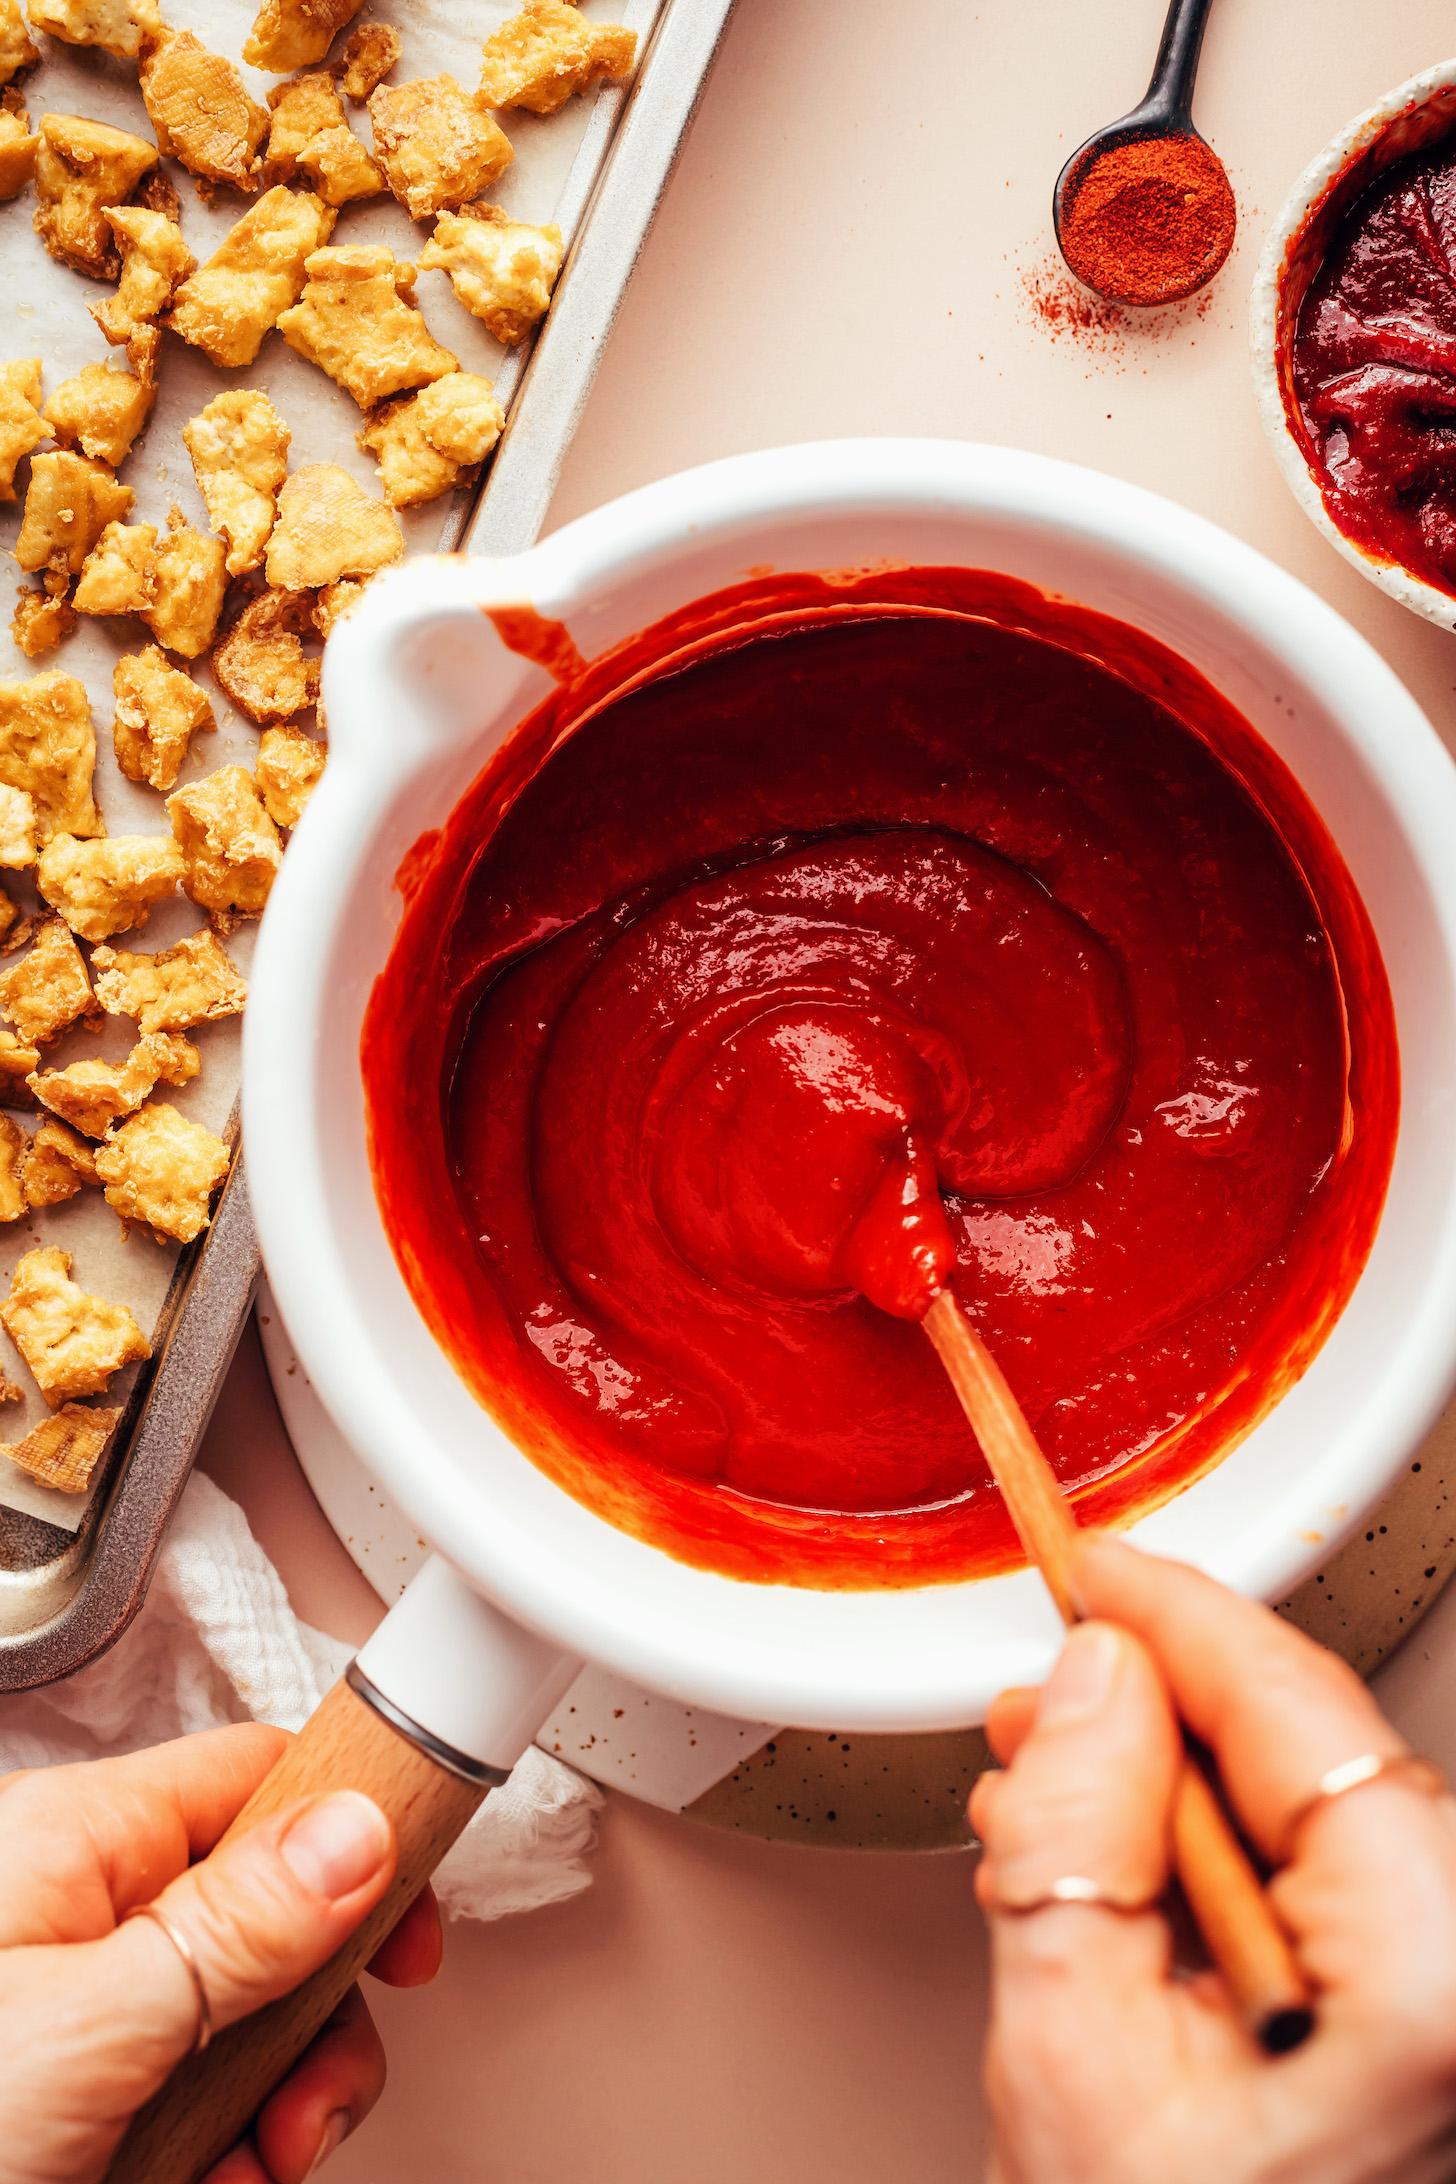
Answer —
1305 196
547 1585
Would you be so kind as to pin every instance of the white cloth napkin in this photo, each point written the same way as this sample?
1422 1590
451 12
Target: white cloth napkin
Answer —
217 1641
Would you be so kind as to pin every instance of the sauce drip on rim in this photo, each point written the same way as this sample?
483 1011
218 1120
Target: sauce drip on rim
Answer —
756 980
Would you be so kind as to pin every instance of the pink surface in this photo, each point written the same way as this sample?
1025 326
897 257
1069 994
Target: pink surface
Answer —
845 249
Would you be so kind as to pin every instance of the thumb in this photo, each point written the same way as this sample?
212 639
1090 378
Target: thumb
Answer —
259 1915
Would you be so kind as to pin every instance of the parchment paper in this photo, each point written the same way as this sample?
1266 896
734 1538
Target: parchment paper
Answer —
46 307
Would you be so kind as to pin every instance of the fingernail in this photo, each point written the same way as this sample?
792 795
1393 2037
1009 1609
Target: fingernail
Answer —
337 1845
1081 1682
336 2130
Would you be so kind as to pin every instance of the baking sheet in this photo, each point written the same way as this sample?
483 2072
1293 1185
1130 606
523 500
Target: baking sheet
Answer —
48 304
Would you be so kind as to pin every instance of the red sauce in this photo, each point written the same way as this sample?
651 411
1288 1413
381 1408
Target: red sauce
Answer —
1374 368
844 935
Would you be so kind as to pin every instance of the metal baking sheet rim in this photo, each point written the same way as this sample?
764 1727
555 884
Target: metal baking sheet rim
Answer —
60 1612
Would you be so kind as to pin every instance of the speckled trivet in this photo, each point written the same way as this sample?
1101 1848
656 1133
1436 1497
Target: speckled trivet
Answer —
909 1793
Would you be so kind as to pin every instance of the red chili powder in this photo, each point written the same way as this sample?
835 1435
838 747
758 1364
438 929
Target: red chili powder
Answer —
1148 221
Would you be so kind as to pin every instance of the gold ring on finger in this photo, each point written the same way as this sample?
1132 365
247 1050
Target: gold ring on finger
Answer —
1407 1768
1073 1888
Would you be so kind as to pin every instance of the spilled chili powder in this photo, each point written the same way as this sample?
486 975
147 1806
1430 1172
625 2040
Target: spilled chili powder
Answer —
1149 220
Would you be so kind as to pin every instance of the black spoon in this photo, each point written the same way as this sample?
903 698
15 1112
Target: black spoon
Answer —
1165 114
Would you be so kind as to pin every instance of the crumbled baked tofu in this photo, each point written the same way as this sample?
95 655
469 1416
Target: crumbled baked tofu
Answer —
57 1163
118 27
501 269
357 320
48 990
19 144
120 576
15 927
154 262
199 106
547 53
329 527
437 143
423 441
81 167
239 450
72 1342
288 34
70 501
191 580
229 844
107 886
12 1160
92 1095
22 426
161 1169
369 53
310 134
335 601
41 619
17 1063
101 411
17 48
48 747
229 304
18 846
290 767
260 663
195 982
62 1451
159 709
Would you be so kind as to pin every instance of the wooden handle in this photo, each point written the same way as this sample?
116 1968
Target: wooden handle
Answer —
1239 1929
208 2103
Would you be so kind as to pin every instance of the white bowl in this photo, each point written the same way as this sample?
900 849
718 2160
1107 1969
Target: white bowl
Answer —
420 691
1416 113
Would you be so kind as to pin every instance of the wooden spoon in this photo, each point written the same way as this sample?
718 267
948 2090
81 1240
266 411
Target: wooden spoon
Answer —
1233 1914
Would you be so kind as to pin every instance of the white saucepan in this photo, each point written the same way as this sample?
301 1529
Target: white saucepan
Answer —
419 691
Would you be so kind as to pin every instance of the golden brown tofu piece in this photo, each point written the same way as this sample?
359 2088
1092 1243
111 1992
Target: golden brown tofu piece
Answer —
72 1342
81 167
120 576
290 767
289 34
62 1451
48 748
310 135
22 425
501 269
239 450
162 1170
93 1095
40 621
229 304
329 527
17 48
57 1163
357 320
49 989
154 263
369 53
335 601
422 442
438 143
117 27
70 501
12 1161
159 709
17 1061
200 108
107 886
18 845
101 411
191 581
229 844
19 144
261 663
547 53
194 982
